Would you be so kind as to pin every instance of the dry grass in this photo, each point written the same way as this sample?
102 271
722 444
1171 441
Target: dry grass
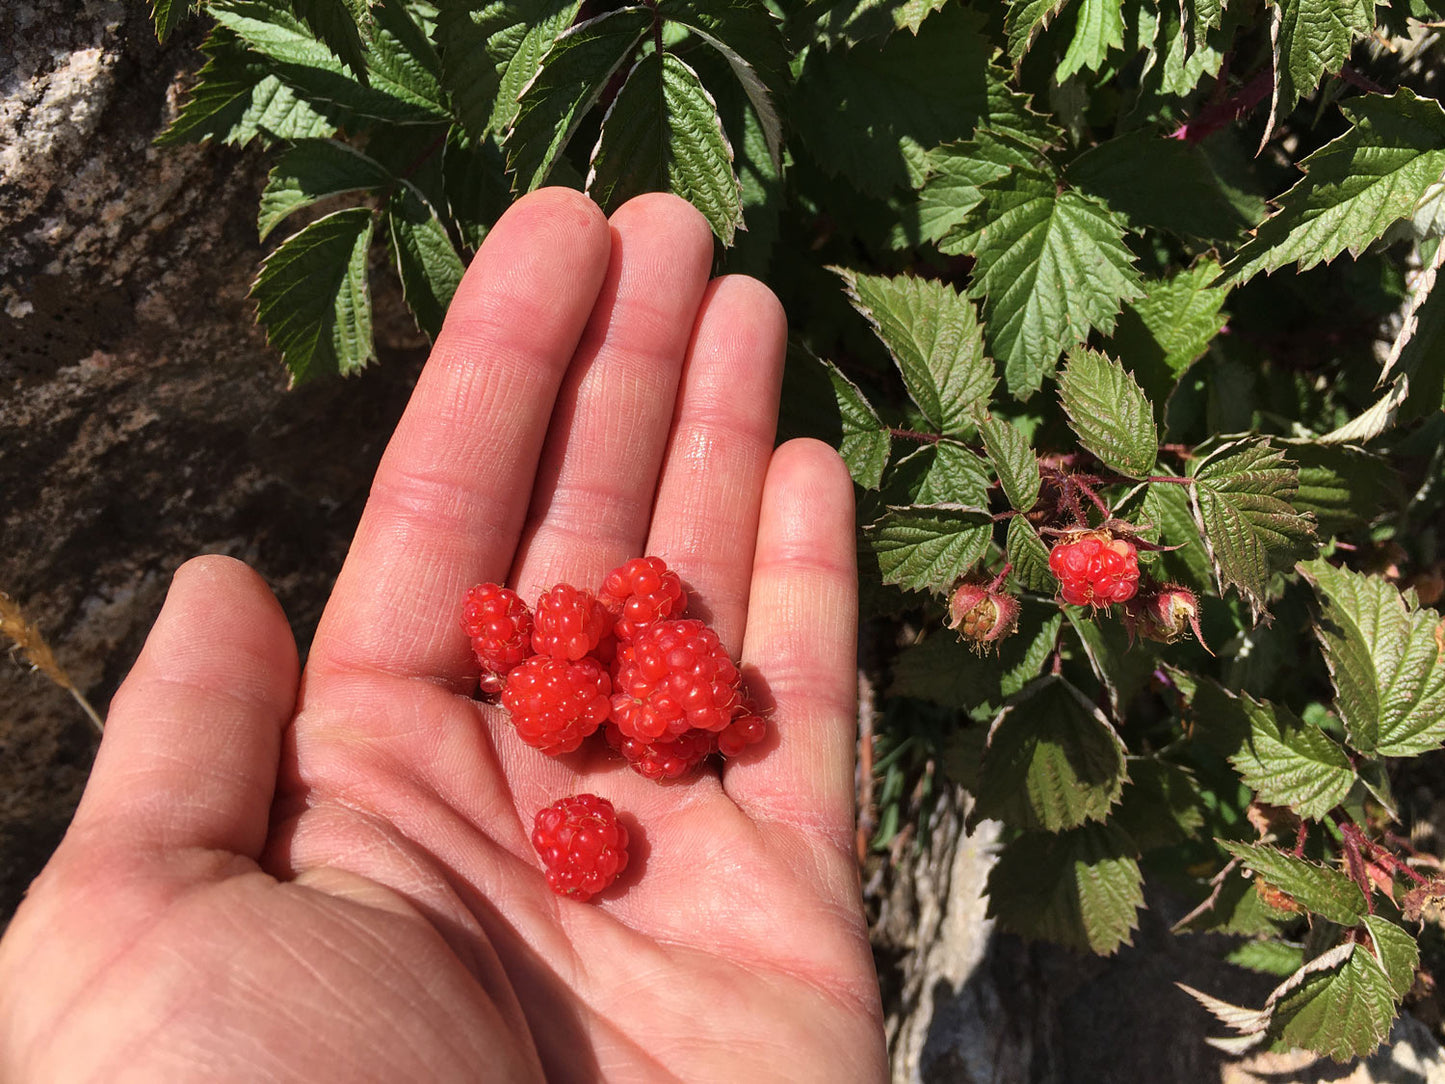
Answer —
30 645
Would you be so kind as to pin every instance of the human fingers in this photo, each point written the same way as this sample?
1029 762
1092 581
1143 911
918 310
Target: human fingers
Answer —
192 741
595 488
706 517
451 493
801 640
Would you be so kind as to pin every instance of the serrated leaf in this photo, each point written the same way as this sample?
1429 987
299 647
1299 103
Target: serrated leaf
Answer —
309 67
1166 508
235 99
166 15
929 547
859 110
1014 460
746 35
935 339
1029 557
1081 889
475 185
1122 667
1026 19
401 59
1052 761
1160 804
1342 486
1311 38
1344 1012
1171 326
1051 266
1322 890
1385 657
1279 958
1241 495
310 171
312 297
573 75
662 133
491 50
950 474
867 20
1284 760
1233 906
944 670
1159 183
1396 951
1108 410
1098 28
428 265
1355 187
820 401
334 22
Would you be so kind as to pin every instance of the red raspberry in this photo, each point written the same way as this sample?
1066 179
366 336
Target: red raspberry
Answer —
569 623
555 703
666 758
1095 569
581 844
500 626
747 729
641 592
673 677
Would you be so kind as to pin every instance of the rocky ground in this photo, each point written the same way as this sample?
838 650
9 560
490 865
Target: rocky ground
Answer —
144 420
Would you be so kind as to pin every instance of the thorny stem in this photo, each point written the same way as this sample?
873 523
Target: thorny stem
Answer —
1171 479
1355 860
913 434
1300 837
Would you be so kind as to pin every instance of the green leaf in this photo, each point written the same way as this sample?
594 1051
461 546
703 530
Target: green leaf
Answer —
1160 805
1242 493
1166 508
1342 486
1159 183
1029 557
1312 38
1344 1012
1384 655
1355 187
1279 958
950 474
831 407
1321 890
313 300
312 170
491 49
573 75
746 35
308 66
1051 266
1081 889
235 99
1107 409
867 20
1099 27
929 547
402 60
1014 460
860 111
169 14
1395 951
1171 326
1284 760
934 337
662 133
1026 19
944 670
475 185
428 265
334 23
1052 761
1122 667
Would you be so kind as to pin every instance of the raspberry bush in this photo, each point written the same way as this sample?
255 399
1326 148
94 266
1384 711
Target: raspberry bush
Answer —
1123 315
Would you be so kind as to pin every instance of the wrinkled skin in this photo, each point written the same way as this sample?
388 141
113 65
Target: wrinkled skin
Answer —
327 876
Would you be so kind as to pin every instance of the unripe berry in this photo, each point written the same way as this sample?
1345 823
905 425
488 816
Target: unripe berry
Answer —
1164 614
981 615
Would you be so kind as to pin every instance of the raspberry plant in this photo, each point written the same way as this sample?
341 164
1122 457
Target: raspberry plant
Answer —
1158 273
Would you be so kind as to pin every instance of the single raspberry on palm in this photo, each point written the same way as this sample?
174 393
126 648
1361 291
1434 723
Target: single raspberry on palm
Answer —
674 676
556 703
499 625
582 846
569 623
665 758
1095 568
641 592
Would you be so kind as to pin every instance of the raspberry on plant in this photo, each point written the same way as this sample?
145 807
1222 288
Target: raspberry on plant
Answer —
556 703
672 677
983 614
1095 568
569 622
1164 614
582 846
641 592
499 625
665 758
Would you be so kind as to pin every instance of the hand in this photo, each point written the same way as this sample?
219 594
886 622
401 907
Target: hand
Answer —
329 877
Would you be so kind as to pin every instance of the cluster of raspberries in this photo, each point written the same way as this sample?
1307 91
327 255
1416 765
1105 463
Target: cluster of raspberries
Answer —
1095 568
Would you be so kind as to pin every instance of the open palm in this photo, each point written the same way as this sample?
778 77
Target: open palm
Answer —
330 876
